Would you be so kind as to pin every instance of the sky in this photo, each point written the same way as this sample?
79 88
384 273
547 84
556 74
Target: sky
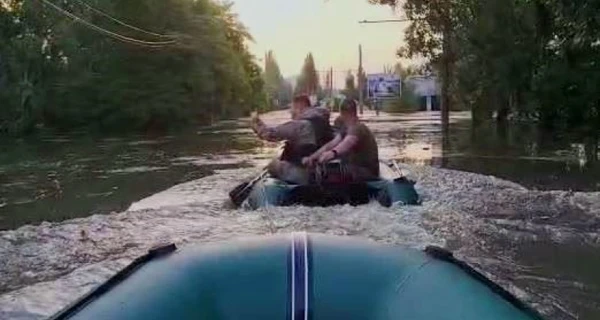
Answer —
327 28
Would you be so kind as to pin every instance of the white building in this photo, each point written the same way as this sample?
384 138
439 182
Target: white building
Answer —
427 87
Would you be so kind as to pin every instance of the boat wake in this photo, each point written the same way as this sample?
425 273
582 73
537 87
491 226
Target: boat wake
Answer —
45 267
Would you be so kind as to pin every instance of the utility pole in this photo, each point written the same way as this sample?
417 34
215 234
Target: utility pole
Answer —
445 67
360 80
331 82
446 51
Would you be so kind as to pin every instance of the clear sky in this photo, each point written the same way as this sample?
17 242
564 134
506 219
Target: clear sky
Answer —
327 28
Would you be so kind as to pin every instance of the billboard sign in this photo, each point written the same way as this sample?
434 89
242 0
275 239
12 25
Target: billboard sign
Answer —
383 86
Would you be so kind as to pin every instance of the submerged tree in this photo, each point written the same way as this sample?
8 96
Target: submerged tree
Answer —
144 65
277 88
534 59
308 82
350 90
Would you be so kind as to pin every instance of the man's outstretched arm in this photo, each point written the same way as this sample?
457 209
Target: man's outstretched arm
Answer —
286 131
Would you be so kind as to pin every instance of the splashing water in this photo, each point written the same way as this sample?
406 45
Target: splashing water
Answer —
64 260
486 221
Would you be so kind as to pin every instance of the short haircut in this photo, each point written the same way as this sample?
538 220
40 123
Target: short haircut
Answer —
348 106
302 98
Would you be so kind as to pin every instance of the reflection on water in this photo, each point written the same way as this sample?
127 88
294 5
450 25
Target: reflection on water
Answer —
571 265
519 153
542 245
59 178
52 178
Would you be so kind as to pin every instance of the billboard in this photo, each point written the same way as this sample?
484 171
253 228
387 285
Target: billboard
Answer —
383 86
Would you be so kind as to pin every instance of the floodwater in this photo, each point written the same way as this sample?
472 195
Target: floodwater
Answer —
523 209
54 178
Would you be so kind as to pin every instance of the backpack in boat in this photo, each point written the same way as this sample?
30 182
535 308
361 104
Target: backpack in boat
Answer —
294 153
326 195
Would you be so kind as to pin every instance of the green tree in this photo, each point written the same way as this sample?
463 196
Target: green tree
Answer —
407 102
430 35
402 71
496 46
286 93
308 82
272 76
182 62
27 64
534 59
276 87
350 90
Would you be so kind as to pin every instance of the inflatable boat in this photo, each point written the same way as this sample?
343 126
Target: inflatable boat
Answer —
274 192
298 277
268 191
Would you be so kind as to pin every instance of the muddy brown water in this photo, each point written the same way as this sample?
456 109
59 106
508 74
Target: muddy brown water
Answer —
521 207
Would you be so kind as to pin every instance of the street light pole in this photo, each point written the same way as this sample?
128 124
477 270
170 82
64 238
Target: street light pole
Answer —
360 79
446 51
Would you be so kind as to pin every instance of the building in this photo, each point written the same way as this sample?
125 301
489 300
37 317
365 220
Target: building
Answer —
427 88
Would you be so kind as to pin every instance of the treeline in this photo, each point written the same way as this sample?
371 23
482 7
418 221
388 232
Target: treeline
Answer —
531 59
126 65
281 91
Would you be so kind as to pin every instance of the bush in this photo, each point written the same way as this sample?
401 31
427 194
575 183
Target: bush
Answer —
407 102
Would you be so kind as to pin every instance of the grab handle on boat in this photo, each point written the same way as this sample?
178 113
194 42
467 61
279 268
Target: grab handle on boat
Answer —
161 250
152 254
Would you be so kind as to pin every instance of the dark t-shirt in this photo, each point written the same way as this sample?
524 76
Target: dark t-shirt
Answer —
365 154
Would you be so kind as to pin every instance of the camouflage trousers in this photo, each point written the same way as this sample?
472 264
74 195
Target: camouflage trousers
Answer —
293 173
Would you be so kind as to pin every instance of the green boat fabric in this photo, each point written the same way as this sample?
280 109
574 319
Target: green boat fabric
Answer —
274 192
299 277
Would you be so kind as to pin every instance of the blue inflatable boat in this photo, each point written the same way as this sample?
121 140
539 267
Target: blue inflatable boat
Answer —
298 277
273 192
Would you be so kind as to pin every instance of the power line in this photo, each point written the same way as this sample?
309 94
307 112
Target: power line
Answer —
106 15
385 20
107 32
337 71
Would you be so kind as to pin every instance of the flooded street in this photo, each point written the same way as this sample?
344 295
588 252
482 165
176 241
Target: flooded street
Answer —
65 177
523 211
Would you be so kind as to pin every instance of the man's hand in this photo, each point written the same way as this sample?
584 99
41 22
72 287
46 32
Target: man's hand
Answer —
326 157
255 121
254 117
308 161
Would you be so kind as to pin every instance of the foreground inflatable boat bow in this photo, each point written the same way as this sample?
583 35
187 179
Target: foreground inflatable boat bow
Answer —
298 277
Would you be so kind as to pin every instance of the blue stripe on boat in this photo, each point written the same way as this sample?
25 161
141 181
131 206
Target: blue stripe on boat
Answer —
299 269
309 277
